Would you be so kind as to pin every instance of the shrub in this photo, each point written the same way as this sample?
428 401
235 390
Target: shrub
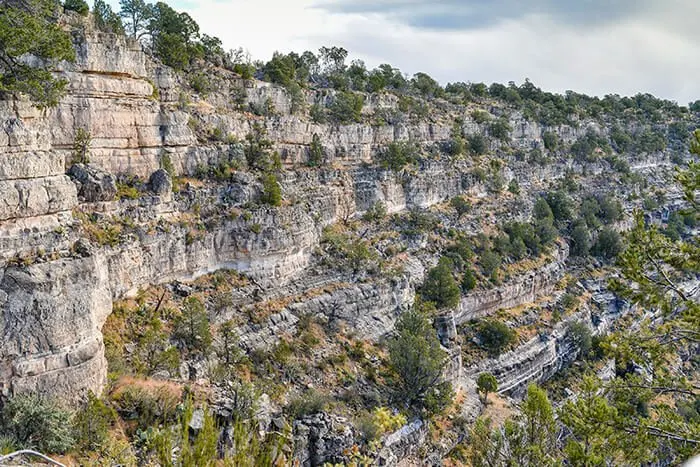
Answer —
461 205
296 96
126 191
200 83
79 6
468 280
317 114
586 148
315 152
167 164
486 383
495 336
480 116
375 213
568 301
81 146
561 206
32 422
610 209
147 406
92 423
500 129
257 149
271 190
311 402
514 187
417 359
380 421
477 144
455 146
580 239
191 327
582 338
397 155
490 263
608 245
440 286
346 107
551 140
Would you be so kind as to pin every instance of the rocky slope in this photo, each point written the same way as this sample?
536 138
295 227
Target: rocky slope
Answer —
69 248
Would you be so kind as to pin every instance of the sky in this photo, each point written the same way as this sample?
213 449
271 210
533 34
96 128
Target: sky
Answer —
593 46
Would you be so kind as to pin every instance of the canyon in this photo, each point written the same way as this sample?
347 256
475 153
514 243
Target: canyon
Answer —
60 278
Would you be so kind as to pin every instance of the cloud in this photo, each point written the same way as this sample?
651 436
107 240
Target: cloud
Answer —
475 14
592 46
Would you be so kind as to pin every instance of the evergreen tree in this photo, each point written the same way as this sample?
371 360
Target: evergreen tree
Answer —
191 327
580 239
440 286
418 360
272 192
486 383
27 28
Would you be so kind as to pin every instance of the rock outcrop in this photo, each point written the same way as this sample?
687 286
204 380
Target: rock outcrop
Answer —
55 291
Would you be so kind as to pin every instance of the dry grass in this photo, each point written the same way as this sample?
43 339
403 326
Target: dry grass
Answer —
148 385
498 410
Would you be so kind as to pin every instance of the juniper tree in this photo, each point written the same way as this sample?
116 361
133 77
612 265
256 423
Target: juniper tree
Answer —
30 28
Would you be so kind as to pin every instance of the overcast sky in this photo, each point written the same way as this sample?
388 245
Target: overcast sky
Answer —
593 46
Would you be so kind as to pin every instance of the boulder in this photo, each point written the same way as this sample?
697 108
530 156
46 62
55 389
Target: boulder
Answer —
322 438
93 184
160 183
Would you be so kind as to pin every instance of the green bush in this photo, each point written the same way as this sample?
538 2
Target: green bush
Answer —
81 146
311 402
315 152
32 422
608 245
440 286
148 407
561 205
480 116
486 383
417 359
318 114
93 422
477 144
191 327
580 239
500 129
79 6
258 149
551 140
495 336
271 190
581 337
375 213
461 205
200 82
397 155
490 263
468 280
346 108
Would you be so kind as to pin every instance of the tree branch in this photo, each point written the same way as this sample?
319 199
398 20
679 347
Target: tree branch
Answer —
670 283
30 453
659 389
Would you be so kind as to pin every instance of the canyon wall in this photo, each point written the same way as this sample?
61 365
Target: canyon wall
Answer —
57 288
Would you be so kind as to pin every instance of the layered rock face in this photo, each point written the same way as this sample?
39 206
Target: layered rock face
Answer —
52 317
56 291
524 288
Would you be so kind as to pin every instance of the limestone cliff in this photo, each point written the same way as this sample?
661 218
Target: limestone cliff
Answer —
57 288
